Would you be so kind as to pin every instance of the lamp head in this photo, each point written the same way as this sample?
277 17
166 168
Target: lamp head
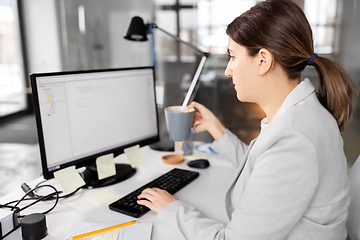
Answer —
137 30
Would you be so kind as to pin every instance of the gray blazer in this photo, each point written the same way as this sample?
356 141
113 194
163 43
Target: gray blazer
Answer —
291 181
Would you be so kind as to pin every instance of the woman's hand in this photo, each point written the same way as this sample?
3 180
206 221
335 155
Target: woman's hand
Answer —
205 120
155 198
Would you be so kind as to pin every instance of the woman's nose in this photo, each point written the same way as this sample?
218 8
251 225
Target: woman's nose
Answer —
228 71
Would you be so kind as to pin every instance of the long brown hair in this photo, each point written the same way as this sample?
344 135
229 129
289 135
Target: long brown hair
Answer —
281 27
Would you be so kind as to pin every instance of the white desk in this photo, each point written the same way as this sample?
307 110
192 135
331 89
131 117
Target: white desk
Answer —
207 193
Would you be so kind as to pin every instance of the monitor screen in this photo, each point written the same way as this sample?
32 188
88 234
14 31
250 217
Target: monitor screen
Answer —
86 114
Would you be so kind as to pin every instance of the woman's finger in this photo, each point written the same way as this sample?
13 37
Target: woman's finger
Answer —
145 203
147 196
147 193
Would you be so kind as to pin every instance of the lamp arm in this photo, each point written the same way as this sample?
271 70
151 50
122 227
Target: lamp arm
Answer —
204 55
182 41
194 81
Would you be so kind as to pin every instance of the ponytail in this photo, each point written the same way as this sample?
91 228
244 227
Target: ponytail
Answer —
336 90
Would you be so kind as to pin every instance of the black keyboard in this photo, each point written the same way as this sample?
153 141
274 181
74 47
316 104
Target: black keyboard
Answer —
171 181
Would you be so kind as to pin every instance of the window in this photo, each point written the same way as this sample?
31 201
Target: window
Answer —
214 15
179 18
12 83
322 15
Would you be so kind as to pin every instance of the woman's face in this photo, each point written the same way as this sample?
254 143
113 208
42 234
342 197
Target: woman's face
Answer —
243 69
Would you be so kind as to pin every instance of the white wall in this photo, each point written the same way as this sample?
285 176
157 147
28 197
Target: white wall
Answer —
102 44
106 26
125 53
42 35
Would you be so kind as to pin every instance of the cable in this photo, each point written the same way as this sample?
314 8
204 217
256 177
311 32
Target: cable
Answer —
33 196
11 207
26 188
30 192
38 199
64 196
49 196
44 198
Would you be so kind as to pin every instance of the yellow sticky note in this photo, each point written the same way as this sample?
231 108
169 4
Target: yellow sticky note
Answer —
103 197
134 155
105 166
197 156
69 179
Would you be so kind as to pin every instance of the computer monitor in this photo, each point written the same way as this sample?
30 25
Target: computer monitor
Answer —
81 115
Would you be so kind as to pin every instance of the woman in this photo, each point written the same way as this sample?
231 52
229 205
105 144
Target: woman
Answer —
291 181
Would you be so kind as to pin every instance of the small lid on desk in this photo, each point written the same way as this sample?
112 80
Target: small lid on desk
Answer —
173 158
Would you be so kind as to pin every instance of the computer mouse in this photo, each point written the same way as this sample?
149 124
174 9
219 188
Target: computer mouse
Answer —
199 163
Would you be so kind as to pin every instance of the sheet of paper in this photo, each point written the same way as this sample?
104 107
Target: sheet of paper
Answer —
137 231
69 179
103 197
134 155
105 166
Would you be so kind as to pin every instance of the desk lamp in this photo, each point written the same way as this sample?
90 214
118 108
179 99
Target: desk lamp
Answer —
138 31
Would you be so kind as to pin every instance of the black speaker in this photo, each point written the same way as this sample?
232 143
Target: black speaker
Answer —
33 227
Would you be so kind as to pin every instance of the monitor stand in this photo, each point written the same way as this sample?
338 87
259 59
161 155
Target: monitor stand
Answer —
165 144
123 172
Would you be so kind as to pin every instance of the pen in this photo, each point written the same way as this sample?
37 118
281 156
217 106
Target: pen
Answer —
101 230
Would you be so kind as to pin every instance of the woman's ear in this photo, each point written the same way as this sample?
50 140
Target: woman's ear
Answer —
265 61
